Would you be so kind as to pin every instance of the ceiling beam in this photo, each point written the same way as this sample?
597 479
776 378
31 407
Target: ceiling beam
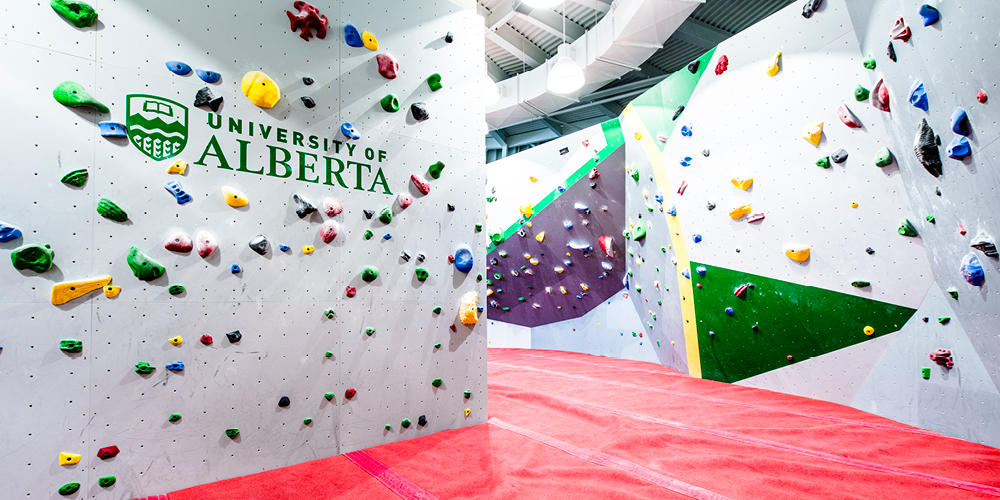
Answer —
601 5
494 71
550 21
651 71
545 134
499 15
700 34
520 47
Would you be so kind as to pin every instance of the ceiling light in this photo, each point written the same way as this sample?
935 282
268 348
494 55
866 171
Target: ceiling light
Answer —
565 75
544 4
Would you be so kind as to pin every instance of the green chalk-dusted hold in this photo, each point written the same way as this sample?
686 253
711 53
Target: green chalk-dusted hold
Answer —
860 284
883 158
369 273
174 417
930 218
232 433
925 372
421 273
640 232
385 216
388 427
436 382
479 228
73 95
659 302
823 162
175 289
405 423
37 258
906 228
953 292
944 320
369 234
390 103
329 354
76 178
370 331
435 169
71 345
437 346
434 82
143 368
307 421
78 13
861 93
143 267
436 310
109 210
497 237
328 313
869 62
69 488
328 396
106 481
467 393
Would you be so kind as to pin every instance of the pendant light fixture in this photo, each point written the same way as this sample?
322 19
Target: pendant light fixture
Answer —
565 75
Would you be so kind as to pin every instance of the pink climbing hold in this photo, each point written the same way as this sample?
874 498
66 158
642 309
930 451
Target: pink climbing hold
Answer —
981 96
682 188
755 217
206 243
847 116
586 143
607 244
351 291
404 200
388 67
332 206
593 174
900 31
179 242
722 65
943 358
329 230
880 96
421 184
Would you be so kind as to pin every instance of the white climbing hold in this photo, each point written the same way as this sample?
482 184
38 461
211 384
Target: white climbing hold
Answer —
329 230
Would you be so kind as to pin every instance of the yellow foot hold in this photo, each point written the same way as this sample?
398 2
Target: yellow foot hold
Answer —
869 331
527 211
541 237
69 290
533 178
68 458
743 184
739 212
813 132
178 167
773 68
467 309
467 412
233 197
260 89
112 291
308 249
178 340
798 253
369 40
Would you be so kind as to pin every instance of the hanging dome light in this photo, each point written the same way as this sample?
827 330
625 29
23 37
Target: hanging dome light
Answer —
565 75
544 4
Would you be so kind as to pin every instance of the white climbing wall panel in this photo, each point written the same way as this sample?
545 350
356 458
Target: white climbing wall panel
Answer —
78 403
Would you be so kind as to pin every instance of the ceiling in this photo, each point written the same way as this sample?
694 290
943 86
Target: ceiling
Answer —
530 36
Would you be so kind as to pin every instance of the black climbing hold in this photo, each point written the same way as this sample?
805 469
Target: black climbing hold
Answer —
593 185
419 111
451 208
870 250
259 244
938 191
308 81
284 401
308 101
422 420
754 328
678 111
450 37
926 149
839 156
305 207
369 214
205 97
926 319
234 336
693 67
892 52
810 7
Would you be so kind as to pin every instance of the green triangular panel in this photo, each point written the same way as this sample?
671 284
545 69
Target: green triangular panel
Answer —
792 320
656 106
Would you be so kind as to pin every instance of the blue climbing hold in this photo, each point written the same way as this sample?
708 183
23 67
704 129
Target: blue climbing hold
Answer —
176 366
701 270
349 131
659 197
175 188
352 37
959 148
561 188
918 96
686 161
178 68
607 265
930 14
686 130
972 270
696 237
284 248
112 129
577 245
711 333
236 269
729 311
463 258
387 236
672 211
8 232
960 122
686 273
580 206
208 76
568 224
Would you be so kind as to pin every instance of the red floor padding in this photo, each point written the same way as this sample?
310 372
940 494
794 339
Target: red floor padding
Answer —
574 426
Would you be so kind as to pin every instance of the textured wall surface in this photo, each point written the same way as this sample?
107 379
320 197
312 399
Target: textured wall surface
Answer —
80 402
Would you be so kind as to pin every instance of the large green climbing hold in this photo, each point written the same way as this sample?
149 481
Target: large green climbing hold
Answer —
635 173
405 423
78 13
69 488
143 368
37 258
437 310
861 93
640 232
328 396
869 62
106 481
390 103
422 274
883 158
906 228
109 210
76 178
175 289
823 162
72 94
436 382
434 82
143 267
385 215
232 433
369 273
71 345
497 238
435 169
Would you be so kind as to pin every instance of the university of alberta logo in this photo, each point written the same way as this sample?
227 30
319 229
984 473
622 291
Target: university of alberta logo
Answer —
156 126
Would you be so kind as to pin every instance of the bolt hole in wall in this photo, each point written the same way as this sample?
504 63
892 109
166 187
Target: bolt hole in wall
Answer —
277 300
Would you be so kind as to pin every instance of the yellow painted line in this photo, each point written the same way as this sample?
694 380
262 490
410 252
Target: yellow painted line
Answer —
686 289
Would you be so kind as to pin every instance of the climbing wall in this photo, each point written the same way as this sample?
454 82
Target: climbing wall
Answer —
386 342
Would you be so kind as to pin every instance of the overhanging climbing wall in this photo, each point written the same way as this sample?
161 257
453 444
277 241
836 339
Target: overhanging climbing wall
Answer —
78 402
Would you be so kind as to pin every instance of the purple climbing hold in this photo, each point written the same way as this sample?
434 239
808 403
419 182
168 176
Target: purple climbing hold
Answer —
112 129
930 14
960 122
972 270
959 148
918 96
175 188
349 131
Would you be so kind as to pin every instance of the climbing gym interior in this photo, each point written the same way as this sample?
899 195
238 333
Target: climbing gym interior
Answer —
500 249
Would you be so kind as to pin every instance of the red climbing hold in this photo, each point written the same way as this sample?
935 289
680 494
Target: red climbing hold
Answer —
981 96
880 96
452 327
847 116
790 357
451 259
308 17
722 66
348 394
607 244
179 242
206 339
900 31
943 358
585 143
107 452
961 229
594 174
387 65
420 183
682 188
351 291
404 200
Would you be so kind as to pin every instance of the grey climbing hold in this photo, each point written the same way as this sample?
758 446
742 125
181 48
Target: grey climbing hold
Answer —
810 7
870 250
985 244
259 244
926 148
234 336
678 111
112 129
693 66
308 101
419 111
960 122
369 213
839 156
891 51
422 420
205 97
304 208
449 37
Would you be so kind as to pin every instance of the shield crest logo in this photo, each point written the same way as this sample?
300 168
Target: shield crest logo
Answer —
156 126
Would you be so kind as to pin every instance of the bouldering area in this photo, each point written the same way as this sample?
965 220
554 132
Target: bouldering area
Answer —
707 249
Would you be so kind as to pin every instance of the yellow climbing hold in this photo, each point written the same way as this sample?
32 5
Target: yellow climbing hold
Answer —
533 261
773 68
369 40
813 132
584 286
467 412
558 270
739 212
178 167
541 237
638 136
533 178
489 292
68 458
112 291
869 331
308 249
527 256
528 224
854 204
526 211
798 253
260 89
563 290
741 183
69 290
178 340
233 197
467 308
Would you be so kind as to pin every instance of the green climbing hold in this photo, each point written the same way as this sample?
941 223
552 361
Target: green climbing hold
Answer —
434 82
69 488
521 299
328 313
640 232
479 277
232 433
405 423
421 273
143 368
435 169
634 172
78 13
106 481
906 228
944 320
953 292
175 289
307 421
659 302
497 238
635 334
930 218
71 345
328 396
390 103
143 267
638 288
479 228
861 93
76 178
883 157
369 273
649 207
823 162
369 234
174 417
437 346
385 215
468 393
436 310
436 382
869 62
388 427
860 284
328 354
663 249
370 331
109 210
73 95
925 372
37 258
